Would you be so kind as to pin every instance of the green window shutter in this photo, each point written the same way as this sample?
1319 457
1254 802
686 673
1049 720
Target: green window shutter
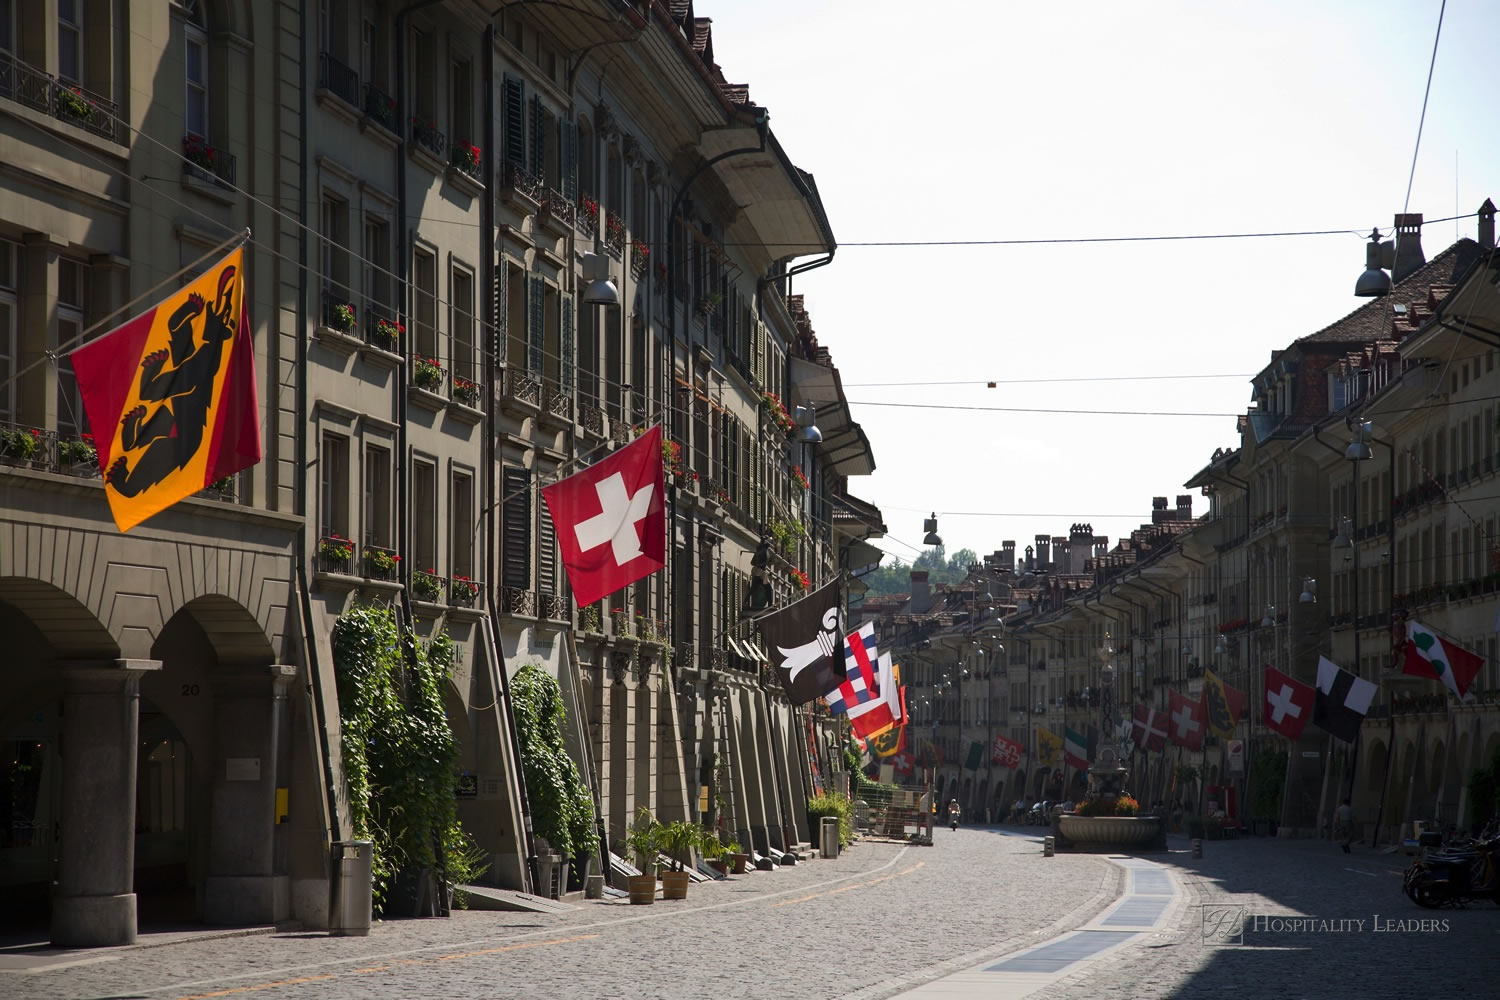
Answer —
569 133
567 363
537 328
538 142
515 121
515 527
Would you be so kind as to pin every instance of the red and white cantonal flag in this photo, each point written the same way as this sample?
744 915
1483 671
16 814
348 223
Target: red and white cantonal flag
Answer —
1186 716
862 659
1288 704
1429 653
1148 728
610 520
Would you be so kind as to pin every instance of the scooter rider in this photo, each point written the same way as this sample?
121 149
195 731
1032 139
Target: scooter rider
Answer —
953 811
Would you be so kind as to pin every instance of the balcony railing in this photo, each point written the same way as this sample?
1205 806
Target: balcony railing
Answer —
463 592
614 235
380 106
339 313
592 418
208 162
559 400
426 135
555 206
26 447
467 159
382 328
339 80
522 387
516 180
516 601
25 84
336 554
554 607
586 216
380 563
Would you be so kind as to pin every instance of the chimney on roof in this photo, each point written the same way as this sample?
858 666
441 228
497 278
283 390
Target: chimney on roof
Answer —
921 593
1101 546
1486 239
1007 556
1043 545
1030 559
1159 511
1409 254
1184 506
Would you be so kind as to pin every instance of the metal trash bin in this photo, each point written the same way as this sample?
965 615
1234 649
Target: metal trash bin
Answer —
351 887
828 840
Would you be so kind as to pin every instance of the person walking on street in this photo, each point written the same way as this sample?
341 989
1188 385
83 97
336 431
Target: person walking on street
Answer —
1343 825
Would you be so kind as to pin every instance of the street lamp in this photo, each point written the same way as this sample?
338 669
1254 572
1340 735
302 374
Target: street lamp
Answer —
1270 618
1374 282
929 525
1309 593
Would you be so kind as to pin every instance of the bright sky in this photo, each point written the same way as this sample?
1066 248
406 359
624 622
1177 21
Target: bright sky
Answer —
972 119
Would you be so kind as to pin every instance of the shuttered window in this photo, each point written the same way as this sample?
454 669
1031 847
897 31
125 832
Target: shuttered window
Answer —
536 327
546 551
515 122
516 528
568 134
538 139
567 345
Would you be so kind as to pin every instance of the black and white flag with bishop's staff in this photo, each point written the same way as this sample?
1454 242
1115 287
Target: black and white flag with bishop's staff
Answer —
806 643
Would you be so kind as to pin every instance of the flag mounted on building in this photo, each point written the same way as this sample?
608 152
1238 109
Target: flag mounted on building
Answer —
889 743
1342 701
805 639
171 395
1075 749
1219 708
1148 728
1006 752
1288 704
1431 654
1048 747
1186 717
610 521
874 716
859 684
975 758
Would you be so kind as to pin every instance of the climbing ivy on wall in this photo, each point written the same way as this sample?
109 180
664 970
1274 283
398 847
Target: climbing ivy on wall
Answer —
400 754
561 809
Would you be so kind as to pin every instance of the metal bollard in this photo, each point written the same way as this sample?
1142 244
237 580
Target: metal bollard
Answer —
1048 847
1197 848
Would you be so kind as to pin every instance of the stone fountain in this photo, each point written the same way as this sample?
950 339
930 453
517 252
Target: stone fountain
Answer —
1106 783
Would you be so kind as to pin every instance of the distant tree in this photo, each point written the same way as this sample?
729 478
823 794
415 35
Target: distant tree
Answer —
894 576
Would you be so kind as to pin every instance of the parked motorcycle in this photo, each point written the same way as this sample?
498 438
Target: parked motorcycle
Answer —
1454 877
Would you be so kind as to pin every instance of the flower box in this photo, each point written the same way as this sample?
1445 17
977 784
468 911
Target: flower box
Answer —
465 156
462 592
197 150
466 392
427 586
339 316
72 104
381 563
429 375
78 452
387 334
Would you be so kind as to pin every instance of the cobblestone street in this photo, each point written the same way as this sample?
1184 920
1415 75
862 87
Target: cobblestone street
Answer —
807 931
781 934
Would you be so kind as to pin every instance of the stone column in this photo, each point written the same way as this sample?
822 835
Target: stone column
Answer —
94 903
243 885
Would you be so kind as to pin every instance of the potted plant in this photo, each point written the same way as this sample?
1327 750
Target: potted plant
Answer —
429 374
72 103
463 591
340 316
466 392
800 579
736 857
381 563
426 586
588 619
388 333
197 150
644 843
714 853
466 157
336 551
78 452
679 839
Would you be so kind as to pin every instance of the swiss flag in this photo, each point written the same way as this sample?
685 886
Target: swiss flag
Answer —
610 521
1186 716
1287 704
1148 729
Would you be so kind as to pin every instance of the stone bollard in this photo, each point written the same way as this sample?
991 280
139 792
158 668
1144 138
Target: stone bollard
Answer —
1197 848
1048 847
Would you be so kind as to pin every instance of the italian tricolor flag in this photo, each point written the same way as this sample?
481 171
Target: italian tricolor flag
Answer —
1431 654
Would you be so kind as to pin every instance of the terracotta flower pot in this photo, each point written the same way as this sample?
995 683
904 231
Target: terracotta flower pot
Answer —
738 864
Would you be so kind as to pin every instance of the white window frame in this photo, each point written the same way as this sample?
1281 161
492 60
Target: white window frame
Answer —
195 37
75 29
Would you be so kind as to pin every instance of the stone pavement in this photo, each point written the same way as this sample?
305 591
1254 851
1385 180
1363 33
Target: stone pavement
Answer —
1262 918
864 924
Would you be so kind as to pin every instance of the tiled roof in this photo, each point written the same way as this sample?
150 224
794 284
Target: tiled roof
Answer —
1374 320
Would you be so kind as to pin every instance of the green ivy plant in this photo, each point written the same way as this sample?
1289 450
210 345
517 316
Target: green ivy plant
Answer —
400 755
561 809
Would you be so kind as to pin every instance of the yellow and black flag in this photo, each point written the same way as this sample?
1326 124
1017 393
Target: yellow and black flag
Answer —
1222 705
171 395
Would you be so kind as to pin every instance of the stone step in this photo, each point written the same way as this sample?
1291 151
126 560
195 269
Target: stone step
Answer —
483 897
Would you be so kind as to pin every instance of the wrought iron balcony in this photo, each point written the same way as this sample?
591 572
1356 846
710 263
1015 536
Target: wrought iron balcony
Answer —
26 447
208 162
339 80
25 84
380 106
427 136
516 601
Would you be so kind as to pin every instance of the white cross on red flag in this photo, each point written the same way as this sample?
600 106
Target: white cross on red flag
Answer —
610 520
1148 728
1288 704
1186 716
